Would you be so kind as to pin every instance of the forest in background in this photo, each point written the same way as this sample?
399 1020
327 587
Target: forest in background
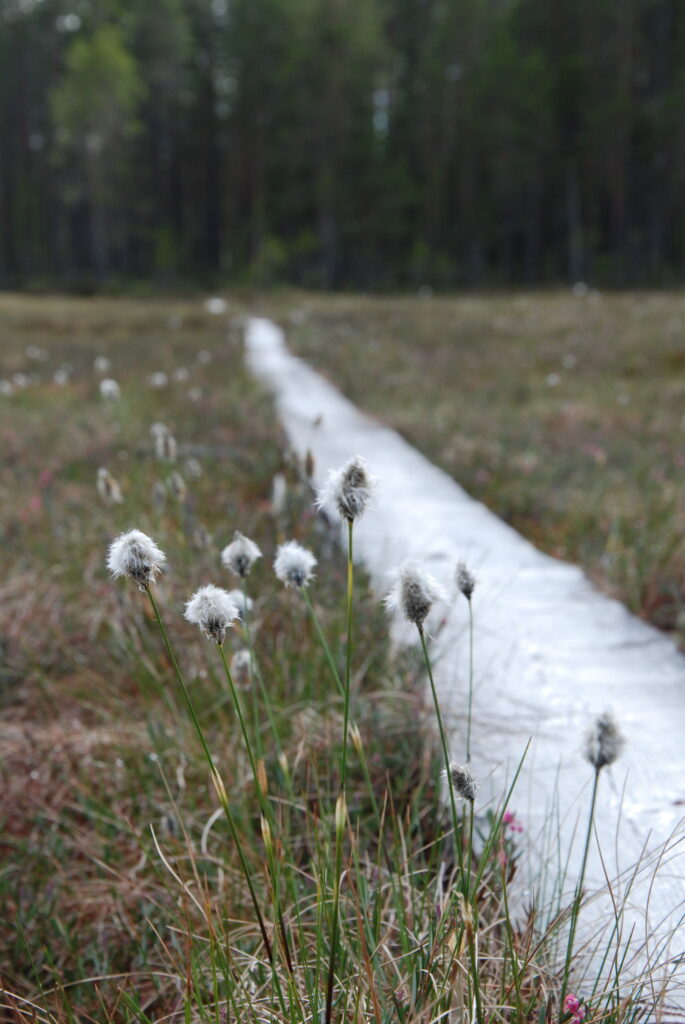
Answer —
342 143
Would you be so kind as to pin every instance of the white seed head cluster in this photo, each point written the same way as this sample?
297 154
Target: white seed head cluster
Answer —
242 602
466 581
159 379
465 786
414 593
164 442
240 555
108 488
213 610
294 565
135 555
604 741
102 365
347 490
110 390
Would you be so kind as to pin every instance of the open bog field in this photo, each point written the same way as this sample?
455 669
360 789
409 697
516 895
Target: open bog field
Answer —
258 830
564 413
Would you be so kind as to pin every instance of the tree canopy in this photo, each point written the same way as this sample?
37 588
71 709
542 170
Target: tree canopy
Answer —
342 143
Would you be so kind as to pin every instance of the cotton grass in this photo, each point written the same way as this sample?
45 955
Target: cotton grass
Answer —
294 565
213 610
414 592
135 555
347 490
240 555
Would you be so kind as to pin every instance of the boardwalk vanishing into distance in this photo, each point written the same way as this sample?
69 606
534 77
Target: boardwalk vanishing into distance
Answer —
551 652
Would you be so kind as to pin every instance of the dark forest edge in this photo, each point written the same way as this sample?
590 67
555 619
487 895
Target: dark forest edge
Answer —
374 144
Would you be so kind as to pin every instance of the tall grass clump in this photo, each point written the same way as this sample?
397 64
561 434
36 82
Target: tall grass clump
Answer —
241 805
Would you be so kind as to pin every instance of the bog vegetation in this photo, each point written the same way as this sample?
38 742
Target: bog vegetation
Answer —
257 819
563 412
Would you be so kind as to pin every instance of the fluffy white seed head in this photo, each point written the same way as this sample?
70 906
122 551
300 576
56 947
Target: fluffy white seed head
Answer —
164 442
110 390
466 581
102 365
465 785
212 609
604 741
242 602
240 555
294 565
347 490
135 555
108 488
414 593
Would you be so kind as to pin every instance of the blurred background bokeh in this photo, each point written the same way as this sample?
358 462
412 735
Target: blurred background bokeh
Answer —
342 143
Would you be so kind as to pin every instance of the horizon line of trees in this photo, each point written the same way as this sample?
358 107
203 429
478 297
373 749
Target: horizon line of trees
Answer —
342 143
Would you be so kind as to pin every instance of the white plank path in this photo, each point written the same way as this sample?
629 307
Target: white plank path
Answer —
550 653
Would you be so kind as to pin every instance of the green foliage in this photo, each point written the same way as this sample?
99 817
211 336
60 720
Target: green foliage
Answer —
94 104
413 141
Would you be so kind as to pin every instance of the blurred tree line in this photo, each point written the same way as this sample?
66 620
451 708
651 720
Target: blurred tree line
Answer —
342 143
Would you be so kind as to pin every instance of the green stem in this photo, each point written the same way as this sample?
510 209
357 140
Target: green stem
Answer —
241 717
443 742
335 925
265 809
468 720
339 831
578 897
215 775
322 640
348 659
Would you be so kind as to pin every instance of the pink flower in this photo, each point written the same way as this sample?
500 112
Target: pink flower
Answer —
510 819
572 1006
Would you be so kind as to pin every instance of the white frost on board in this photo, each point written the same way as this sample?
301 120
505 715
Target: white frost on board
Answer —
551 652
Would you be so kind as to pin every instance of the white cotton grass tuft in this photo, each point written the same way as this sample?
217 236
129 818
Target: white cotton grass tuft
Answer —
294 565
159 379
604 741
164 443
135 555
213 610
108 488
414 593
110 390
347 490
466 581
102 365
240 555
242 602
61 377
463 781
